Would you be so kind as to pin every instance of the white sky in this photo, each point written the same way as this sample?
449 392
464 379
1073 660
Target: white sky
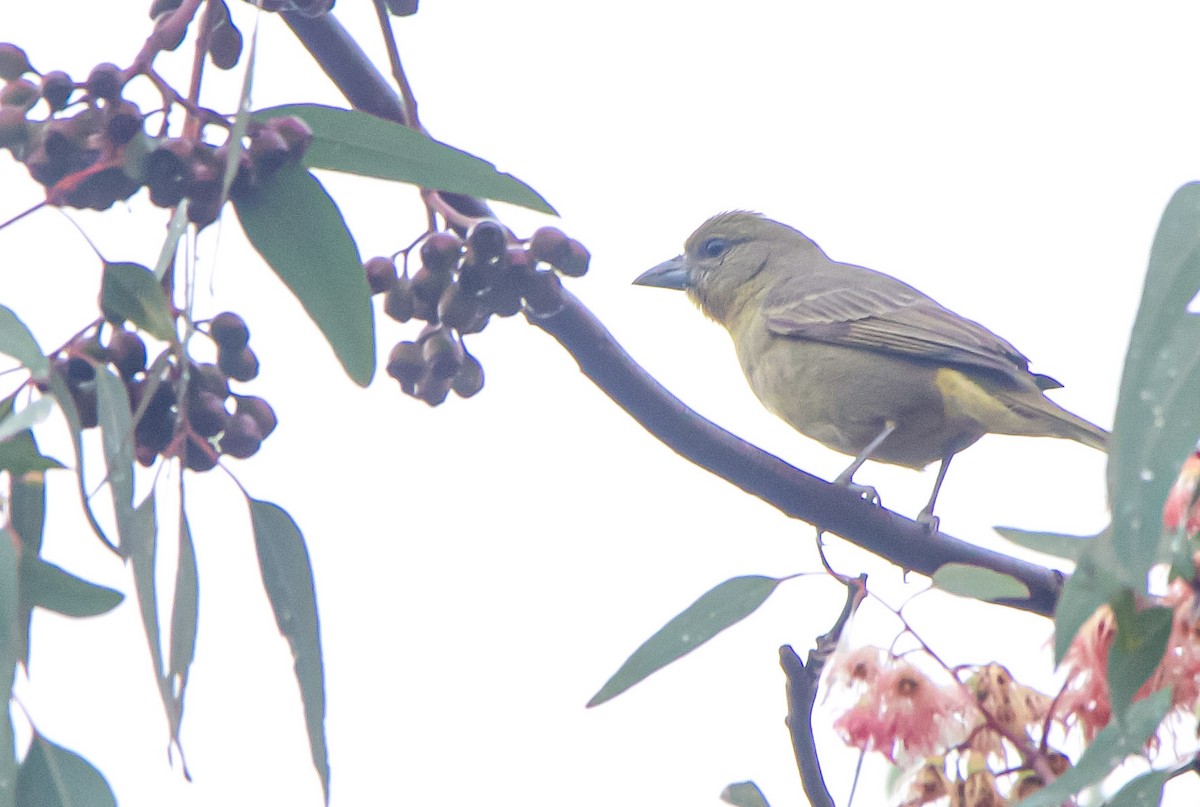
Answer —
482 568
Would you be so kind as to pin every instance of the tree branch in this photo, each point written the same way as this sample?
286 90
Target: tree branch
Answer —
800 495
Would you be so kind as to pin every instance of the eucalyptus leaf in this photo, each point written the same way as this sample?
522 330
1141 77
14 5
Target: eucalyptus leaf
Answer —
978 583
717 609
130 291
44 585
52 776
17 340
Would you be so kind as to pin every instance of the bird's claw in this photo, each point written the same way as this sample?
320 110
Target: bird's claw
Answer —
864 491
929 520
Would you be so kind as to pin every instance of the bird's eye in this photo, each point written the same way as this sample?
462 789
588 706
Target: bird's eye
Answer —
714 247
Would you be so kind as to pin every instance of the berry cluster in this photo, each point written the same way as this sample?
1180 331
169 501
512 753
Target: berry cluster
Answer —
456 290
91 149
188 418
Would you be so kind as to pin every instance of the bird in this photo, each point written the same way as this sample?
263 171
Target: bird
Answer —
856 359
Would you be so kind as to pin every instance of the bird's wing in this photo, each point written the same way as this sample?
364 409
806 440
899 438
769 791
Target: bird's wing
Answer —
881 313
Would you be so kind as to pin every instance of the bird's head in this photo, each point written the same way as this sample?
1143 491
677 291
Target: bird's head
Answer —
724 263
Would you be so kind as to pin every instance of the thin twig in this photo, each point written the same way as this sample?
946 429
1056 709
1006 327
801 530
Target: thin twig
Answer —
389 42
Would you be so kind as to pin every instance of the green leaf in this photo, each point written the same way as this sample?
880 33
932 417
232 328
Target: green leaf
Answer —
744 794
978 583
717 609
185 613
1143 791
129 291
1058 544
52 776
116 430
19 455
44 585
1117 741
27 418
358 143
17 341
10 648
300 233
1157 421
287 577
27 510
1085 591
1140 644
63 395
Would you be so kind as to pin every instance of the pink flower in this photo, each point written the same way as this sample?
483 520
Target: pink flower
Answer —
1180 500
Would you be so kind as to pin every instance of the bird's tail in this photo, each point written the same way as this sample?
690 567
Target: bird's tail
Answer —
1042 417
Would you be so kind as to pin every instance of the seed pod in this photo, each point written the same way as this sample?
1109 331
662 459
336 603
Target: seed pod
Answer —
405 363
78 370
13 62
543 293
166 171
260 410
381 274
399 302
440 251
14 129
469 378
459 309
428 285
206 413
575 262
443 354
99 190
225 46
268 152
199 455
21 93
476 277
550 245
167 34
212 378
104 81
296 133
127 352
84 396
241 439
240 365
157 424
159 7
486 242
229 331
433 390
57 87
124 120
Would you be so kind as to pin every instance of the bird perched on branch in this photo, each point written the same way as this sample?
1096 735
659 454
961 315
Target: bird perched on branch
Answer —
857 359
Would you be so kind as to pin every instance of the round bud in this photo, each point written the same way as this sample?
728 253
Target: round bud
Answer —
242 438
260 410
168 34
575 262
229 331
225 46
56 89
13 62
124 120
405 363
79 370
105 81
296 133
549 245
84 396
98 190
443 354
433 390
240 365
428 285
127 352
157 425
268 151
21 93
212 378
440 252
543 292
459 309
381 274
486 242
14 130
399 302
166 171
159 7
476 276
199 455
469 378
206 413
244 180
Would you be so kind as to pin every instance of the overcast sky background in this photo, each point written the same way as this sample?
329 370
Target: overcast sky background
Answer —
483 567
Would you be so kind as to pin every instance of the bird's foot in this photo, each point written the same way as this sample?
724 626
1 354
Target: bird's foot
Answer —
931 521
864 491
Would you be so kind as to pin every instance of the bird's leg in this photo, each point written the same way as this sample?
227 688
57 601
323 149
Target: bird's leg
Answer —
926 515
846 477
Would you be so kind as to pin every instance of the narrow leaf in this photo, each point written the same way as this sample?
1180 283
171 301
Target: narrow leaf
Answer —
116 430
1144 791
130 291
1058 544
52 776
1117 741
1157 421
1085 591
717 609
978 583
27 514
1138 649
299 231
185 611
44 585
27 418
358 143
744 794
287 577
63 395
17 341
10 648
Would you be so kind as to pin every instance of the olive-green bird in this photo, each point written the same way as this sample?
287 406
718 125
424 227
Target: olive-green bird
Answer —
857 359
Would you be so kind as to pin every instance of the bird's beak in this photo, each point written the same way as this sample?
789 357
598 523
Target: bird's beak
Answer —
672 274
